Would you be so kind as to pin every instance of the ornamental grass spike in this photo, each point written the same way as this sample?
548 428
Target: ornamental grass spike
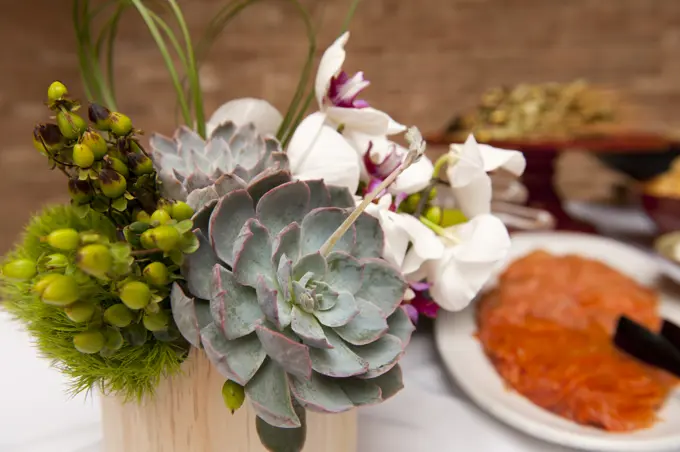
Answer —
198 171
296 328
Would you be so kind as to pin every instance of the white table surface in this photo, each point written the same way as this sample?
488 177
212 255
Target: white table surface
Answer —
430 414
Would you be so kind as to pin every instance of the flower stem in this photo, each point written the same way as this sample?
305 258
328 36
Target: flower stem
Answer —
337 235
144 12
350 14
439 164
192 69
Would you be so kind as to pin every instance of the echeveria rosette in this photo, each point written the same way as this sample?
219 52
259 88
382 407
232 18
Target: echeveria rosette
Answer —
293 326
193 170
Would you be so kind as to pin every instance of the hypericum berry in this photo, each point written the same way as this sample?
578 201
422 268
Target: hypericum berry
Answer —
95 260
64 239
136 295
233 394
157 274
20 269
140 164
80 190
117 165
432 194
164 238
83 156
70 124
56 92
156 322
165 204
47 138
99 115
111 183
80 311
410 204
452 217
181 211
118 315
60 290
89 342
434 214
121 125
160 216
143 217
56 260
43 282
96 143
114 339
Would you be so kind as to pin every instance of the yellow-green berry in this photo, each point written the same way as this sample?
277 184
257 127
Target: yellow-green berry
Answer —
64 239
56 91
61 290
80 311
112 184
70 124
95 260
80 190
83 156
156 322
117 165
140 164
434 214
118 315
89 342
181 211
20 269
47 138
233 394
136 295
165 238
43 282
160 216
100 116
143 217
410 204
114 340
157 274
120 124
96 143
432 194
56 260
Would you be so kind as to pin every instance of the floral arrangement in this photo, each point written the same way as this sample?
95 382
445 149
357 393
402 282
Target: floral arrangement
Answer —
296 252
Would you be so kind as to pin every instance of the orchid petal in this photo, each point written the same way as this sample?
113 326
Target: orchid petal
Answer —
509 160
261 113
364 120
470 185
415 178
317 151
329 66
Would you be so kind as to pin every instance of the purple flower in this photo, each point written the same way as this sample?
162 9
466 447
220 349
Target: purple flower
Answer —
343 90
421 303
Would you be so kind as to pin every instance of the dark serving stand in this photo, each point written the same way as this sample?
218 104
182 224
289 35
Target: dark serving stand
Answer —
541 156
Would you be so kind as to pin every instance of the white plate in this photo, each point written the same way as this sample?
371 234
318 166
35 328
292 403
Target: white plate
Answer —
463 356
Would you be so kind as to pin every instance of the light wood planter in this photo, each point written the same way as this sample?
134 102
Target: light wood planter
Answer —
188 415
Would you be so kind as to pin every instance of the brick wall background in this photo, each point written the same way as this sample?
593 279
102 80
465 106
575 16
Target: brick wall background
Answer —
427 59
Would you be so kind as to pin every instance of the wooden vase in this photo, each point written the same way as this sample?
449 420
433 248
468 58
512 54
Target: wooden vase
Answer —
187 414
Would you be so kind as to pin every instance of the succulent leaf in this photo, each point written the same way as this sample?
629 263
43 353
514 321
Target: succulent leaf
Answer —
229 216
341 197
190 315
343 311
291 355
310 265
319 225
270 396
283 439
287 242
308 329
252 258
266 181
381 355
369 325
234 307
361 392
370 238
320 394
401 326
274 307
197 267
283 205
383 285
390 382
236 360
345 272
339 361
320 196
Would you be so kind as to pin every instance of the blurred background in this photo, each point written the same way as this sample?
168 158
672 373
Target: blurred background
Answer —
429 61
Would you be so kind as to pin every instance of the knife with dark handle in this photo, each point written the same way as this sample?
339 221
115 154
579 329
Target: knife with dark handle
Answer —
658 350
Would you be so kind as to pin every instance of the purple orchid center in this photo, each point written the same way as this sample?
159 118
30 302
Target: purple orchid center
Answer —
379 171
421 303
343 90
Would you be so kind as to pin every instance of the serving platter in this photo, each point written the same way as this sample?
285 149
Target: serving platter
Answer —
464 358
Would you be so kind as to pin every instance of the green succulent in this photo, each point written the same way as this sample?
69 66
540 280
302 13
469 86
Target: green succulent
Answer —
191 169
296 328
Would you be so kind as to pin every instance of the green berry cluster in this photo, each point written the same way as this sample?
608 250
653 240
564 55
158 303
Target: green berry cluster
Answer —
108 169
432 212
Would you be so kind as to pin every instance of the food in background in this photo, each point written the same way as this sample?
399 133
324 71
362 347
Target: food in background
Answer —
543 110
547 328
666 184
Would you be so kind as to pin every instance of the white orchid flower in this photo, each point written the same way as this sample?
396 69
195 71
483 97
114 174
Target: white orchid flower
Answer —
408 242
467 173
474 250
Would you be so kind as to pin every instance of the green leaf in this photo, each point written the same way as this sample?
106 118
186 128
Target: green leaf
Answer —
190 243
184 226
83 174
176 256
120 204
81 210
129 196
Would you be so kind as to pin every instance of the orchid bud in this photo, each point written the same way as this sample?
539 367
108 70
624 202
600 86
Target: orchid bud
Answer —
47 138
100 116
19 269
136 295
89 342
80 311
111 183
70 124
64 239
56 92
